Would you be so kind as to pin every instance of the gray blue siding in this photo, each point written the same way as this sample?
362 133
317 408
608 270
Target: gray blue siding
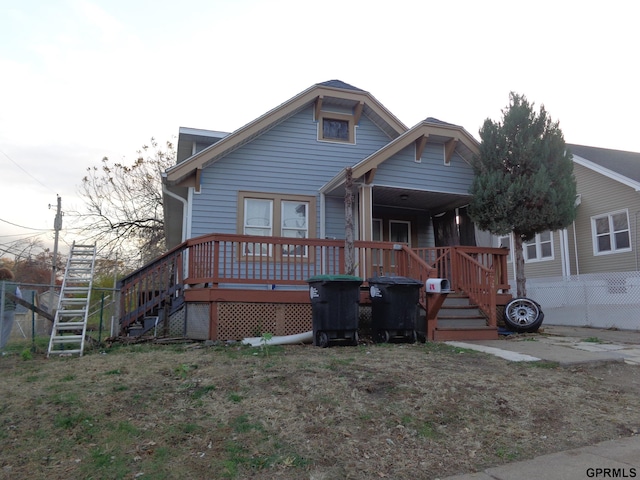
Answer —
431 173
287 159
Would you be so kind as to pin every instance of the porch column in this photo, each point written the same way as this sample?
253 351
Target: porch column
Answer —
365 211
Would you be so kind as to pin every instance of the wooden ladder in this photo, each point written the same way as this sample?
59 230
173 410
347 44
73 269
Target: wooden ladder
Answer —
70 322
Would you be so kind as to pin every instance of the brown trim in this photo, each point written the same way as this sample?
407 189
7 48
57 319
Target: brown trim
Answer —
449 148
421 142
357 112
318 107
370 175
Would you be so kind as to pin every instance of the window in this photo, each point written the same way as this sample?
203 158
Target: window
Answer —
269 215
336 127
539 248
399 231
611 233
505 242
294 224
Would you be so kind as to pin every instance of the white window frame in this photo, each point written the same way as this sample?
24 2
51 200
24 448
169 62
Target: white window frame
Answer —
538 242
612 233
298 227
400 222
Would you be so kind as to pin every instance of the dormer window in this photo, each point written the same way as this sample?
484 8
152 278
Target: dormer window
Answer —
336 127
333 129
336 123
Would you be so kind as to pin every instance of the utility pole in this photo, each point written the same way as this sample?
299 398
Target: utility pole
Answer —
57 226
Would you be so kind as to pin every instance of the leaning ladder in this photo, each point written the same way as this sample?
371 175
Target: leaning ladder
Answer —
70 322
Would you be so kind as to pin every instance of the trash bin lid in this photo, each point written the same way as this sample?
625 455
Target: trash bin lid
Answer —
334 278
394 280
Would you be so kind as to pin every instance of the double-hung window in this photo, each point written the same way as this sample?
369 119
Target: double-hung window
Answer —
539 248
271 215
611 233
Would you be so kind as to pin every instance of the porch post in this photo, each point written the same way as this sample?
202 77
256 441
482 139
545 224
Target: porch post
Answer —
365 210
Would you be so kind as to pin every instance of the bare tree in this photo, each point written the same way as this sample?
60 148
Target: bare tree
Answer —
124 214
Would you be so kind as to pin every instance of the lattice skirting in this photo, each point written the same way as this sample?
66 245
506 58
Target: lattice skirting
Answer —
241 320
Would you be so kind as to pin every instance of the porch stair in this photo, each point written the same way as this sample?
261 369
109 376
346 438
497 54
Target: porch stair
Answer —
460 319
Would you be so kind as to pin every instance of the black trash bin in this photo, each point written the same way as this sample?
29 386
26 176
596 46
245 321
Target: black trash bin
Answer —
335 302
394 308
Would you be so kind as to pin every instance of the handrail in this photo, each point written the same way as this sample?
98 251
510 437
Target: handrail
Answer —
478 281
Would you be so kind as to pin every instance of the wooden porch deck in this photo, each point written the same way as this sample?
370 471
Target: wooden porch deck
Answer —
225 278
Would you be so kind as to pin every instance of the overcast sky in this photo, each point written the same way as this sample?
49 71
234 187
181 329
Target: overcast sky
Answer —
83 79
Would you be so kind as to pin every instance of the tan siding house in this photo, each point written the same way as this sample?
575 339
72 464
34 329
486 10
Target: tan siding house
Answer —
604 236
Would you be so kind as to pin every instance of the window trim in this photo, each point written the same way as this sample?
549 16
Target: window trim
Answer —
276 214
538 243
594 234
325 115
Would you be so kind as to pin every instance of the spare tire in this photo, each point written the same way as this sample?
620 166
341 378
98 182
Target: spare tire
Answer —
523 315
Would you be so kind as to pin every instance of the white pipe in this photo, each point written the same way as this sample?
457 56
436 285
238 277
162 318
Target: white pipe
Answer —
305 337
185 206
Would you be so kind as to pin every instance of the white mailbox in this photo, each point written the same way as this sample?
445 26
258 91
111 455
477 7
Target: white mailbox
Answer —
437 285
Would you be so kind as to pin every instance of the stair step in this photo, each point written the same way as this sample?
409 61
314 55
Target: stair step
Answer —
69 325
461 322
73 301
465 333
67 339
65 352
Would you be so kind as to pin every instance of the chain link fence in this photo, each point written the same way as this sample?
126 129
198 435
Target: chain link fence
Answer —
600 300
102 321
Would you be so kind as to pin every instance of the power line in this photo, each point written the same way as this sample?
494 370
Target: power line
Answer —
18 165
27 228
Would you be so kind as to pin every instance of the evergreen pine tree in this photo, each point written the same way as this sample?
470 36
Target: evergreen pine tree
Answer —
524 180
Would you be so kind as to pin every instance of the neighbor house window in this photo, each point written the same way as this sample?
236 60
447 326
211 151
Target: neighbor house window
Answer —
539 248
611 233
336 127
271 215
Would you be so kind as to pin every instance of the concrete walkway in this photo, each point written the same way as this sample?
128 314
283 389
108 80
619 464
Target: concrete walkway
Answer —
564 345
568 346
614 459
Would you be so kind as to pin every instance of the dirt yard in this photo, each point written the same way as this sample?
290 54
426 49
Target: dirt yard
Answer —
397 411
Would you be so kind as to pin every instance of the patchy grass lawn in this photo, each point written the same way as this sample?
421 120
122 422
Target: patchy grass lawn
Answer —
396 411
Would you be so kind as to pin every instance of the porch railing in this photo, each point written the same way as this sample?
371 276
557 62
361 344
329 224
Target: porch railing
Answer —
242 261
479 272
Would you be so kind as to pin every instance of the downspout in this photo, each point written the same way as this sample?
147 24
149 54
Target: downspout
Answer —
185 207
